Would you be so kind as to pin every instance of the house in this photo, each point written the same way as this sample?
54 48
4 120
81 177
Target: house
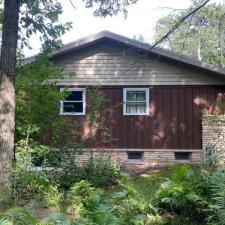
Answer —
160 96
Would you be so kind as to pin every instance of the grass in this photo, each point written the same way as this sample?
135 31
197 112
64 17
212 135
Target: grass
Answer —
147 184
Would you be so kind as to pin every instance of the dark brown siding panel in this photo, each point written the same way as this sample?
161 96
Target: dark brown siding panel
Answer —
189 116
174 121
181 117
167 118
174 118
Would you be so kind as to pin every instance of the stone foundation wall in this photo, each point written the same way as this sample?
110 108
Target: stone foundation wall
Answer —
213 134
151 157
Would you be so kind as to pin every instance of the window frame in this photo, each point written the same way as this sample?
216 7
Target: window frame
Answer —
135 160
83 98
125 101
189 159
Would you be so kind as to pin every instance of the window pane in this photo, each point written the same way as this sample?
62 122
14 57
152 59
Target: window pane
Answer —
73 107
75 96
135 107
136 96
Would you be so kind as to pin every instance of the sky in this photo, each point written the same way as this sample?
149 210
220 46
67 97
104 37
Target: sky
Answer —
141 19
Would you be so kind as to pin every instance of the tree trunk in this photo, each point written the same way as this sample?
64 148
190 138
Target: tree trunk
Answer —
7 85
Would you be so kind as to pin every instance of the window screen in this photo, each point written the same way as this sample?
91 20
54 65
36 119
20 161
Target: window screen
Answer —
182 156
135 155
74 104
136 101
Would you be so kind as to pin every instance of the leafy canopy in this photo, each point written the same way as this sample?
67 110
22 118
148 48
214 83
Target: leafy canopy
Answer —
200 36
42 17
104 8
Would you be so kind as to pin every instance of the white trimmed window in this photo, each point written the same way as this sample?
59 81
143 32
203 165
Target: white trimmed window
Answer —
135 101
75 103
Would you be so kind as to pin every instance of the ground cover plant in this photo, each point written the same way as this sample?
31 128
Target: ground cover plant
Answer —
183 194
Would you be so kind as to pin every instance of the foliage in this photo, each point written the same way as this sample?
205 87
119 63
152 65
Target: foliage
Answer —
33 185
93 206
148 184
101 171
17 216
185 193
109 7
39 129
59 218
37 100
99 112
131 207
5 222
42 17
200 36
212 158
123 207
217 205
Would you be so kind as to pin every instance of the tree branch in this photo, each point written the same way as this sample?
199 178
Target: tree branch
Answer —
178 23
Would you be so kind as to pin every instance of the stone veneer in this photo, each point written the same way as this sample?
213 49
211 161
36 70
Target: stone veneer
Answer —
152 157
213 134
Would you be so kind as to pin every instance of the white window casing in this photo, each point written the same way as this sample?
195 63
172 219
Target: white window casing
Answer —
136 106
83 101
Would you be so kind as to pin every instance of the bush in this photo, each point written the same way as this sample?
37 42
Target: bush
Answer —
33 185
93 204
101 171
185 194
96 206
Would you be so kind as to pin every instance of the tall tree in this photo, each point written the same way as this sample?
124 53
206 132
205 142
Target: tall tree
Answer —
37 16
7 84
201 36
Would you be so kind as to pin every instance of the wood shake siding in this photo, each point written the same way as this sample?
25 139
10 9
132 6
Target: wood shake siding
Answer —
108 63
174 121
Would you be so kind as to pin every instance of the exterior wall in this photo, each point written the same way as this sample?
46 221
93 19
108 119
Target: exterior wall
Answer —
153 158
174 121
213 134
179 96
108 63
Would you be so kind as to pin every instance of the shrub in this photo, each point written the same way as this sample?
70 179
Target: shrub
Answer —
33 185
93 205
96 206
101 171
185 194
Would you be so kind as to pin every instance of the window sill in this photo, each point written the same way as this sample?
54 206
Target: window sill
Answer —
136 114
72 114
130 161
182 161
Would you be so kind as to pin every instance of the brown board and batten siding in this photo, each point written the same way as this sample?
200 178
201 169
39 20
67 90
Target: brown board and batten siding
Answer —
174 121
179 94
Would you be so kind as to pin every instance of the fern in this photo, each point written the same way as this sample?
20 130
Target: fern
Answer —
17 216
5 222
57 219
217 206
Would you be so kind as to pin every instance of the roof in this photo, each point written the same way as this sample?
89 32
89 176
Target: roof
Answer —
86 41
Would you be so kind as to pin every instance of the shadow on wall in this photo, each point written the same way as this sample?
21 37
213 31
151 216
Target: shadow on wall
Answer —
174 121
